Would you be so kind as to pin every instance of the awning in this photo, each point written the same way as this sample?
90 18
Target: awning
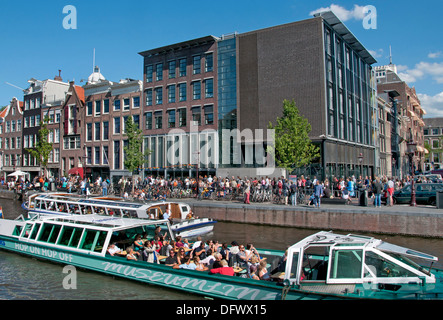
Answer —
18 173
75 171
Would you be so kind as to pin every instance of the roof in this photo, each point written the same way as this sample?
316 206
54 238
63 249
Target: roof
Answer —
179 46
347 35
339 240
4 112
434 122
80 93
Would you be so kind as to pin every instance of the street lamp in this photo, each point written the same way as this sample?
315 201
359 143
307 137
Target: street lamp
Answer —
412 147
360 160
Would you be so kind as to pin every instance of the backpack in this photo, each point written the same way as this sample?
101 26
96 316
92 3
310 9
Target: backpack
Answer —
280 185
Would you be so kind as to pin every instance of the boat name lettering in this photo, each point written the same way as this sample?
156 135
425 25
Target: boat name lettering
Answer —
44 252
190 283
2 243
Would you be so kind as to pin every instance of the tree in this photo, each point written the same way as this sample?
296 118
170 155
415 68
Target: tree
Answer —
134 156
292 148
42 148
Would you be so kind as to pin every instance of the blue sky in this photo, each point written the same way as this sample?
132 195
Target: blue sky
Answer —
34 44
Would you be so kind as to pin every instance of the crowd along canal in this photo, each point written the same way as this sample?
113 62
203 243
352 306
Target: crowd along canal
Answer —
25 278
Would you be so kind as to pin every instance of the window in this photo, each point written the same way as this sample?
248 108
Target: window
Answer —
209 88
182 67
159 95
98 106
158 120
196 116
149 72
347 264
171 93
171 69
19 125
89 132
196 64
148 97
56 155
182 117
105 130
116 154
89 108
426 132
435 144
209 62
159 72
105 154
117 125
136 120
126 104
182 92
196 90
148 121
68 142
97 131
435 131
88 155
171 119
209 114
135 102
117 105
96 155
106 106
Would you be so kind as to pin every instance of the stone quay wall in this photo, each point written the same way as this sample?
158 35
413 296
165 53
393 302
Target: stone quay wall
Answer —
401 220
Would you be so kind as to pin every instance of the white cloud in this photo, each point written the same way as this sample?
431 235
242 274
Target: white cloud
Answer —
357 13
422 70
376 53
434 55
433 105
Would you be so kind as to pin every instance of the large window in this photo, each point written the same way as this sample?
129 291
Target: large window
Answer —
149 72
196 64
196 90
182 67
182 91
171 69
159 72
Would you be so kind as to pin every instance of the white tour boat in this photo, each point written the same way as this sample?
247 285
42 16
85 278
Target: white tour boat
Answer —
183 223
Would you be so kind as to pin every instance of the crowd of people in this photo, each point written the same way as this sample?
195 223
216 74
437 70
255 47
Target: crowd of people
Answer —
210 256
301 189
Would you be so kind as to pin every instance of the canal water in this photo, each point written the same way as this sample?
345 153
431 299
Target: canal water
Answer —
24 278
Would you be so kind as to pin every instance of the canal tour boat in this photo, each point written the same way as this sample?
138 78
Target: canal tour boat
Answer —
322 266
67 204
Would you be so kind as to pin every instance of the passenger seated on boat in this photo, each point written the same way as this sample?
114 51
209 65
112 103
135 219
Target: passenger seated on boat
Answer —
200 265
200 251
251 252
171 260
225 269
178 242
113 249
217 262
131 254
252 272
209 260
138 243
263 273
224 251
148 253
188 264
181 255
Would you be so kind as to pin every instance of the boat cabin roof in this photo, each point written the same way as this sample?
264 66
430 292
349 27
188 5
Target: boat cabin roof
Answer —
110 223
338 240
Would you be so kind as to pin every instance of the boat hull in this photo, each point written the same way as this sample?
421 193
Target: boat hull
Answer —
194 227
201 283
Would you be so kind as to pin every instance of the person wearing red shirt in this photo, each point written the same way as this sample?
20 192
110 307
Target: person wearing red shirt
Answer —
224 269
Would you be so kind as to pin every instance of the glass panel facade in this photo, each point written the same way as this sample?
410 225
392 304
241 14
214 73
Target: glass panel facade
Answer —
227 98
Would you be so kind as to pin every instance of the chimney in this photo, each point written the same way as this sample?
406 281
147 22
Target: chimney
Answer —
58 78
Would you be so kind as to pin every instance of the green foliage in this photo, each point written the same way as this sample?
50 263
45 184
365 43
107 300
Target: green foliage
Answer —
134 156
42 148
292 148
